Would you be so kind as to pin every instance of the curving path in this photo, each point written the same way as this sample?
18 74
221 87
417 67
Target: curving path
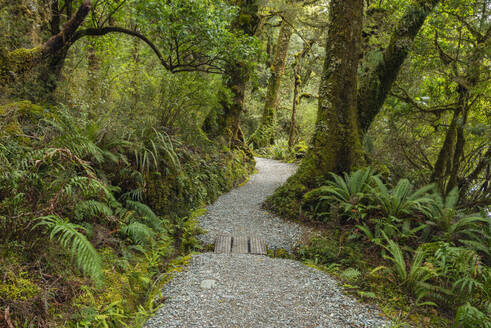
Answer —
241 290
239 211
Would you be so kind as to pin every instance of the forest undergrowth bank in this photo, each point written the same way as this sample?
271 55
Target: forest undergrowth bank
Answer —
92 217
419 255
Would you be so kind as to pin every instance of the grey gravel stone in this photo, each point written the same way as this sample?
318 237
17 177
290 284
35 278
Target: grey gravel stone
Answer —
242 290
239 211
258 291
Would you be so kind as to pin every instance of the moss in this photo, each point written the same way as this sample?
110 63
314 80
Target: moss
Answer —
19 61
13 116
21 108
287 199
18 288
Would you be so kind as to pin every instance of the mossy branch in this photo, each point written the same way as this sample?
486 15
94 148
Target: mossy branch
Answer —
21 61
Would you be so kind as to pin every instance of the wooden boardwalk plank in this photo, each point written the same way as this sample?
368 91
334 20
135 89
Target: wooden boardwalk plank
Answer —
258 246
240 245
223 244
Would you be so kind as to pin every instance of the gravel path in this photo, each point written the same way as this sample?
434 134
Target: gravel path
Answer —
241 290
258 291
240 212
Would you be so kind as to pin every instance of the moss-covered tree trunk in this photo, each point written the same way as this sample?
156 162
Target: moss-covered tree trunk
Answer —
19 62
335 146
225 122
446 155
376 83
447 165
296 88
265 133
297 84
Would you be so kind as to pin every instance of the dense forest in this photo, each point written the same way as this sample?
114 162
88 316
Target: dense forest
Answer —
121 119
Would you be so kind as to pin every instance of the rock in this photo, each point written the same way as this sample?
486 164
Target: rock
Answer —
208 284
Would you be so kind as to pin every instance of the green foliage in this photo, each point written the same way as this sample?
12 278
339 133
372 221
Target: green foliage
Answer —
432 249
18 287
71 239
401 201
351 274
453 225
469 316
195 34
350 193
106 183
413 276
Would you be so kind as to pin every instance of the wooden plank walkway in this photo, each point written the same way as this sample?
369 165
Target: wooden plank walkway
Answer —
240 244
258 246
223 244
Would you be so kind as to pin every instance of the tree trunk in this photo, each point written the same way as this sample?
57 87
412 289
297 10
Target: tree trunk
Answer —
335 146
225 123
265 133
447 166
297 84
296 88
446 155
377 82
93 64
21 61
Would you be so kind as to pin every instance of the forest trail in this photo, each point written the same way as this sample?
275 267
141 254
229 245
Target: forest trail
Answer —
242 290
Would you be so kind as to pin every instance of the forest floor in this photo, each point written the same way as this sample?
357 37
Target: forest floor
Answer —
242 290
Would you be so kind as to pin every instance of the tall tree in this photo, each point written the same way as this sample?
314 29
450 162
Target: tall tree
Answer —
265 133
337 124
376 83
225 122
336 144
300 79
22 61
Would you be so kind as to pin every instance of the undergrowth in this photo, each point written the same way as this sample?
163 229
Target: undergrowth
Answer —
93 214
415 252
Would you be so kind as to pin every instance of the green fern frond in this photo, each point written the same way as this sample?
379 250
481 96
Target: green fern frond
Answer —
147 213
140 233
469 316
70 238
92 208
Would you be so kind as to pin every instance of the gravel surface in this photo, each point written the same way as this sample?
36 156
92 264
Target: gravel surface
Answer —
239 211
258 291
242 290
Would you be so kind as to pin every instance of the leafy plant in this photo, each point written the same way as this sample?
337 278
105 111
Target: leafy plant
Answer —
401 201
71 239
413 276
452 225
350 193
139 232
469 316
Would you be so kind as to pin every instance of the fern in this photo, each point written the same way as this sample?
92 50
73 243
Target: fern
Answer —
70 238
92 208
400 201
416 276
146 212
140 233
350 192
351 274
469 316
